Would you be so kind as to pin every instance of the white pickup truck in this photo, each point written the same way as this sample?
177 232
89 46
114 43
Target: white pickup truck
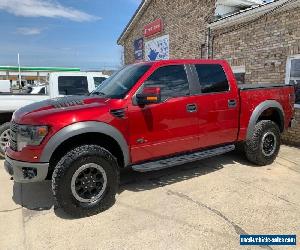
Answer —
59 84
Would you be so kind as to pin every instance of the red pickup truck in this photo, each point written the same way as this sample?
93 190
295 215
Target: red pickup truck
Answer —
147 116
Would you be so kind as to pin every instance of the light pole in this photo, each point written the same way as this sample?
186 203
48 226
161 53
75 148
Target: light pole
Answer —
20 77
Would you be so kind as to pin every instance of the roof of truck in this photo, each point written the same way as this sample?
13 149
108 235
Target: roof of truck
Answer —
184 61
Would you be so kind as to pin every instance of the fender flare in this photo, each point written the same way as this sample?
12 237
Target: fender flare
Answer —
259 110
82 128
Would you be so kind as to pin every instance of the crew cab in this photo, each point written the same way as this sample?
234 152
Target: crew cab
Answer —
147 116
59 84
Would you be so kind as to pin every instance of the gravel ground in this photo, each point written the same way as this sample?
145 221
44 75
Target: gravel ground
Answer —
203 205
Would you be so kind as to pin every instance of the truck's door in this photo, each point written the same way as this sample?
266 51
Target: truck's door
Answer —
170 126
217 103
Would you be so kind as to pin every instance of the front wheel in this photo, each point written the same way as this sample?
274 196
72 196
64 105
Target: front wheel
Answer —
4 137
263 147
85 181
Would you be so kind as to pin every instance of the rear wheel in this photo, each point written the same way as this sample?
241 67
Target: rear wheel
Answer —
263 147
4 137
85 181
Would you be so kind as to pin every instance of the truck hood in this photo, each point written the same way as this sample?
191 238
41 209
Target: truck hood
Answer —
55 105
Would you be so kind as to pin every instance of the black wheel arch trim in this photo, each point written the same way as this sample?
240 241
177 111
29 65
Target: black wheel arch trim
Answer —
82 128
259 110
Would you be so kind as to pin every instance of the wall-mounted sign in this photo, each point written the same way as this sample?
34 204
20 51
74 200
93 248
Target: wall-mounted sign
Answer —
138 45
153 28
157 49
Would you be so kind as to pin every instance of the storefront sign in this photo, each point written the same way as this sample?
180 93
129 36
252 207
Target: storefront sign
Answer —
153 28
138 49
157 49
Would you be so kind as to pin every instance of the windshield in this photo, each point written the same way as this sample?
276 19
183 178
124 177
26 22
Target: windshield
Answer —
119 84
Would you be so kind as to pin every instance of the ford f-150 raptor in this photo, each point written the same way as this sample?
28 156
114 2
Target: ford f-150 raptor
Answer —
147 116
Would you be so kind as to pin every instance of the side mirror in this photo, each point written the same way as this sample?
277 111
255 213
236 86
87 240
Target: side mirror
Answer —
149 95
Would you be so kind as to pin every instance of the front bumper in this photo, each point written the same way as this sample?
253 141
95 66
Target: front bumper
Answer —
25 172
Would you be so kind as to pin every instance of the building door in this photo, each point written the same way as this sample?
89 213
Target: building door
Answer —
169 127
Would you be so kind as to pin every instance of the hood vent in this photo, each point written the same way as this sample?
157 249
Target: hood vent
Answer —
67 101
119 113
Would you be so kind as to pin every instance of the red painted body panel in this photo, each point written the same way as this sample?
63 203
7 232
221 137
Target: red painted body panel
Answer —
218 124
251 98
166 128
94 109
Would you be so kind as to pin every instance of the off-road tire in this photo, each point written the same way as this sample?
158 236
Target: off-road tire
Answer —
240 147
254 148
3 127
66 168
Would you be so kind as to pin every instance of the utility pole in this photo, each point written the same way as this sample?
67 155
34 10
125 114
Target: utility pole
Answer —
20 77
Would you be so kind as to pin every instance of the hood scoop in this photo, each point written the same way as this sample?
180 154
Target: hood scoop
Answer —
67 101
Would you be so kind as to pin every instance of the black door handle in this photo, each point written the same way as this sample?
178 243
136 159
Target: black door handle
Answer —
191 108
231 103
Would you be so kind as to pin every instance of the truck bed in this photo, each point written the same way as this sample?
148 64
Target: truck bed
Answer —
251 95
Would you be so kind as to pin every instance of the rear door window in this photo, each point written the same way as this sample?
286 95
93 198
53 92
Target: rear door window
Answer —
240 78
212 78
73 85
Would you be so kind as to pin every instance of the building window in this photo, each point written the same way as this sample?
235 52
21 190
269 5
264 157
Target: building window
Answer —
240 78
239 73
293 75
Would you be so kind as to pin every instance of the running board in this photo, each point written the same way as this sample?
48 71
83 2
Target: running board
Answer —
179 160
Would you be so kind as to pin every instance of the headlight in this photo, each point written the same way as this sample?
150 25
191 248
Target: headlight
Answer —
30 135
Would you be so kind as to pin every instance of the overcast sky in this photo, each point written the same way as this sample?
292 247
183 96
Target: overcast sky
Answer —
69 33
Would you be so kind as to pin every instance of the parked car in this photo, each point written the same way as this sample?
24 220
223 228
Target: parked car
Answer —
59 84
147 116
36 89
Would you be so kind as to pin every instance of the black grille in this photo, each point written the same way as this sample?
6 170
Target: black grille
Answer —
119 113
13 136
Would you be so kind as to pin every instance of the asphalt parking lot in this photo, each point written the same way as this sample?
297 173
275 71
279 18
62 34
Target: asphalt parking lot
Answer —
203 205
